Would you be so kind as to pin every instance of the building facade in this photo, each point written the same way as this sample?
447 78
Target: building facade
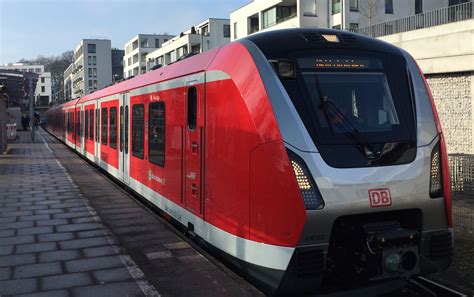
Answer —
67 84
92 67
262 15
44 90
207 35
136 51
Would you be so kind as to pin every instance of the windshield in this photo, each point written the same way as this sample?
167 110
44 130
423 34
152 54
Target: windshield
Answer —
359 88
353 100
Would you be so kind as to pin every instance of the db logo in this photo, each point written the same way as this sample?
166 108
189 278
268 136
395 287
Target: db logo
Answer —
380 197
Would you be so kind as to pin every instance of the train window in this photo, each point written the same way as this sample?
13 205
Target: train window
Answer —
113 127
121 128
126 129
91 124
78 124
138 130
86 125
104 126
192 108
97 116
156 133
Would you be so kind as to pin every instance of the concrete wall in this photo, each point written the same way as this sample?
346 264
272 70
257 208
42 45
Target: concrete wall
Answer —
454 97
440 49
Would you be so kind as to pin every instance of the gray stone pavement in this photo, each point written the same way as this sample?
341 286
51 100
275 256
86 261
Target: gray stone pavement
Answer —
68 230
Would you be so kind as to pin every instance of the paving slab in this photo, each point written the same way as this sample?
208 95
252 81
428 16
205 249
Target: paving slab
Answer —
67 230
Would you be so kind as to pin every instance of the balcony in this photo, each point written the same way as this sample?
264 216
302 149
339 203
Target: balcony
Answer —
451 14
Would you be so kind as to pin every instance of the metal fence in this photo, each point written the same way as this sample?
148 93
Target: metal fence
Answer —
461 167
427 19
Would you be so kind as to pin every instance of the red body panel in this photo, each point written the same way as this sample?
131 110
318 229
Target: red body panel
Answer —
243 182
90 144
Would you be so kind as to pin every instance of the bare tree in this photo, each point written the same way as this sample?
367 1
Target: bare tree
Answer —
370 9
56 65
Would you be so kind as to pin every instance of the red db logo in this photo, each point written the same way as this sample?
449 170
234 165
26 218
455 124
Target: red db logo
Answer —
380 197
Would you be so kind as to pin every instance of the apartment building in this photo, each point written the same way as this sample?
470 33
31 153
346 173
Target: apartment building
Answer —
92 66
262 15
207 35
136 51
44 91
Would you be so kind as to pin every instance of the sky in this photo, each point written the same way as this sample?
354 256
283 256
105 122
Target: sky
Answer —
29 28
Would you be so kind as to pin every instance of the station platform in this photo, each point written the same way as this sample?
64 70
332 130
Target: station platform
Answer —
68 230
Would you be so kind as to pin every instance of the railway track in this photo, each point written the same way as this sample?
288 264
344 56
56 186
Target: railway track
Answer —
421 287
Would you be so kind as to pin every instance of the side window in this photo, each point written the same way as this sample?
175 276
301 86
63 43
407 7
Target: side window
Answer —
86 125
156 133
138 130
104 126
91 124
121 128
113 127
126 129
78 123
97 123
192 108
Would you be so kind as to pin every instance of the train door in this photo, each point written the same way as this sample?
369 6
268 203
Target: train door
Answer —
193 148
124 159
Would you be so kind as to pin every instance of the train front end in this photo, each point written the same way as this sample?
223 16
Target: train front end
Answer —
366 148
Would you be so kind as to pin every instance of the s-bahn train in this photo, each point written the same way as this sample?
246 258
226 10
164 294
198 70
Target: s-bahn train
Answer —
313 160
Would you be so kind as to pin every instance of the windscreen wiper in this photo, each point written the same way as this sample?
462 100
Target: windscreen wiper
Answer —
365 146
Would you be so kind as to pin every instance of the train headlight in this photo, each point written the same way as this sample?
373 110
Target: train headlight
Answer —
436 176
309 191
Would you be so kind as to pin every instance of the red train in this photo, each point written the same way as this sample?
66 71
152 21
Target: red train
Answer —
312 159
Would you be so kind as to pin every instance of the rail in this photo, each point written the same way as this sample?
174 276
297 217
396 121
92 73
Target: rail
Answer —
451 14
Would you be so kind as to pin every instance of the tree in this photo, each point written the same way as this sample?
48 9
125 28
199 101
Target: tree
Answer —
370 9
56 65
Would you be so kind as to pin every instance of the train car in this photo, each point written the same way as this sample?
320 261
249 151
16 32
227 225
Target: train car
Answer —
313 160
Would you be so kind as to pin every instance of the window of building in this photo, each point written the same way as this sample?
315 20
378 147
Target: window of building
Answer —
129 61
309 8
42 80
38 70
94 60
91 124
95 83
95 72
104 126
388 6
144 42
86 125
156 133
43 89
354 5
418 6
337 27
235 30
205 30
192 108
89 71
157 42
91 48
226 29
90 84
138 130
353 27
277 14
89 60
336 6
253 24
113 127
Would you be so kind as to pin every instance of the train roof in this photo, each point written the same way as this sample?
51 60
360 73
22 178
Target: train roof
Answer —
279 43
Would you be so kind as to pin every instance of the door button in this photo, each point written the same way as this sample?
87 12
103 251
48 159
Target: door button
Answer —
194 147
